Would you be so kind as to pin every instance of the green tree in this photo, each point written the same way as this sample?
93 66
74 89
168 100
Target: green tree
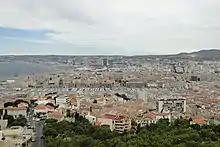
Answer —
20 121
10 119
68 113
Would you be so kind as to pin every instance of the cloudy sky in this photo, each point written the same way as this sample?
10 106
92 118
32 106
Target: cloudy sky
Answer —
108 26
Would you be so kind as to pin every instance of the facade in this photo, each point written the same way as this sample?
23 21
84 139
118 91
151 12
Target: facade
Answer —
16 111
153 117
163 116
105 62
3 124
122 124
14 130
116 122
90 118
55 115
135 84
43 102
43 109
146 119
172 104
40 109
62 100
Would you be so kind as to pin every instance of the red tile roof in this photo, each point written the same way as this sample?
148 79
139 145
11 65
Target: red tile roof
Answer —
150 115
113 117
72 96
40 107
199 121
49 107
97 123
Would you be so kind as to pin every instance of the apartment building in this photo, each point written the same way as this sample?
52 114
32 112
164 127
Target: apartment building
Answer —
16 111
172 105
146 119
119 123
135 84
62 100
43 109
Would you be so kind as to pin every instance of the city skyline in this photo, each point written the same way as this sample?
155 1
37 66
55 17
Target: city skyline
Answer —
106 28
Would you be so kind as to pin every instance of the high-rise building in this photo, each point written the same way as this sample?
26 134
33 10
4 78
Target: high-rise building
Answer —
105 62
172 104
110 63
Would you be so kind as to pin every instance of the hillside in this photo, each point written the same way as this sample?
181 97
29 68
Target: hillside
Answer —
203 54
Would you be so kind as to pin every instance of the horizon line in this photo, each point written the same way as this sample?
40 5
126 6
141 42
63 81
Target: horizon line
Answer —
150 54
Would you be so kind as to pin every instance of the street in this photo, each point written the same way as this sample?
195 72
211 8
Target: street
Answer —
39 129
39 132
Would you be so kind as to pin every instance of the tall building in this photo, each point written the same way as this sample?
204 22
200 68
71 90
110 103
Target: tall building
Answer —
105 62
172 105
115 122
110 63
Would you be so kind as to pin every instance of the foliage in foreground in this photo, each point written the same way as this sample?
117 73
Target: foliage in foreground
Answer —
162 134
19 121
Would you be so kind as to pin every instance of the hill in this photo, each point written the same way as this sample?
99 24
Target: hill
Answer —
203 54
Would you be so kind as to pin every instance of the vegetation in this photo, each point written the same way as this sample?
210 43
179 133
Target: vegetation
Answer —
162 134
10 119
19 121
15 103
32 101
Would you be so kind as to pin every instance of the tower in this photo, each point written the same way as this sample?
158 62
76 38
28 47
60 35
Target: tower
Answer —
105 62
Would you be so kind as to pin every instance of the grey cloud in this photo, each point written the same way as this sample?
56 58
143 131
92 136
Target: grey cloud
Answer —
139 26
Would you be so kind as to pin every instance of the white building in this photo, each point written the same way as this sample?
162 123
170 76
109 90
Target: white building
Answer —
16 111
115 122
90 118
43 109
3 124
62 100
172 105
42 102
13 131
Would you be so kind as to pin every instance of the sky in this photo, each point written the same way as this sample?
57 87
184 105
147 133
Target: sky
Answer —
127 27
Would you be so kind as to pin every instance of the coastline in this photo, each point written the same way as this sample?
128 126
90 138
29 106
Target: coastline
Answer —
43 69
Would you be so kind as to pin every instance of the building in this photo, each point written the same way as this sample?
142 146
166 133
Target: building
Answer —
135 84
40 109
118 123
16 111
198 120
55 115
105 62
14 130
62 100
90 118
146 119
3 124
110 63
15 136
42 102
43 109
172 105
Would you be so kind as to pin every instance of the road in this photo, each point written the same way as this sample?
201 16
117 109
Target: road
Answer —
39 129
39 132
31 116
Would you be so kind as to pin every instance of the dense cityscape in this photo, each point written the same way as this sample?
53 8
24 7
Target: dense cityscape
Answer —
113 97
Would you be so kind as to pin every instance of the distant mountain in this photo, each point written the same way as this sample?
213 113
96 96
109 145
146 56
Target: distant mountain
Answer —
203 54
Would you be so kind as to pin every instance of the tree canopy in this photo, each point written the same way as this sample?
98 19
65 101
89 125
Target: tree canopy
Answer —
162 134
